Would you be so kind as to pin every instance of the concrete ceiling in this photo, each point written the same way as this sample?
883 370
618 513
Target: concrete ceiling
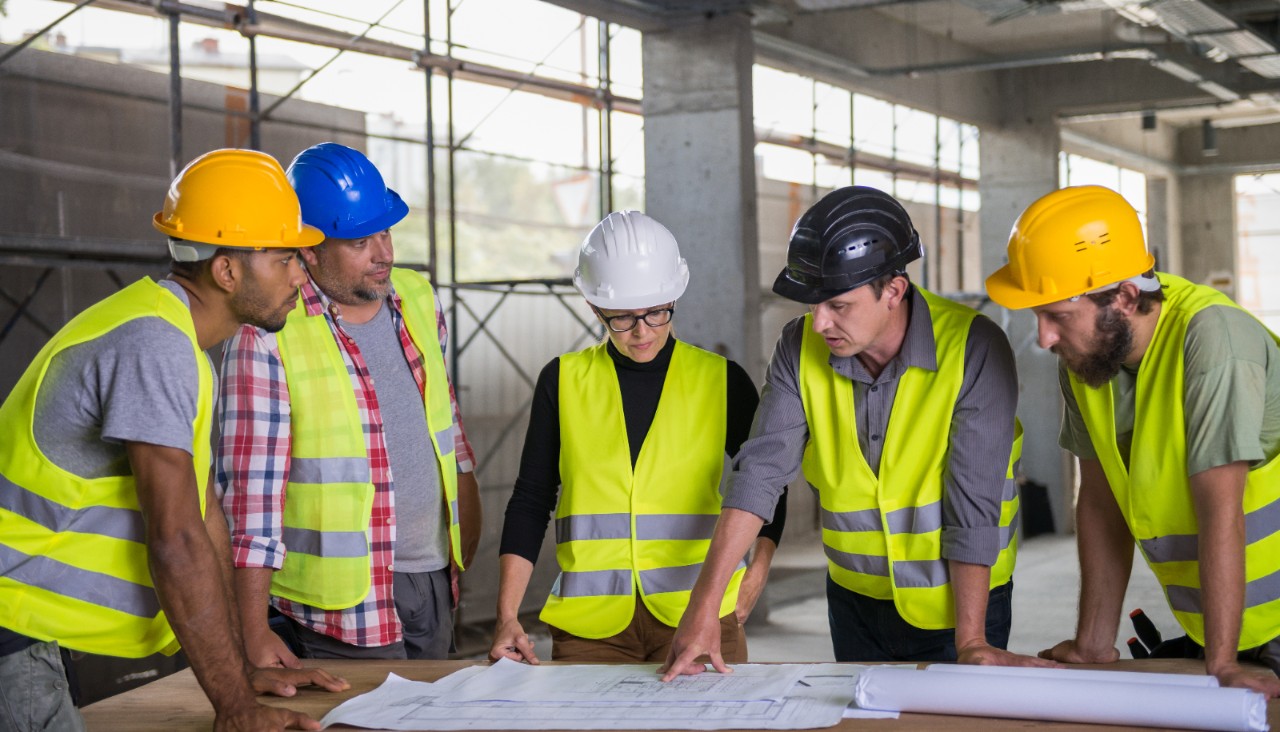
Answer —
1188 60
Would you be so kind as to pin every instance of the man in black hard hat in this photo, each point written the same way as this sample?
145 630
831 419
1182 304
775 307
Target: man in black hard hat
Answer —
899 407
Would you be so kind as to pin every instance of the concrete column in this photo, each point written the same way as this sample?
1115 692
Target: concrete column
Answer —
1164 231
1208 208
699 147
1020 164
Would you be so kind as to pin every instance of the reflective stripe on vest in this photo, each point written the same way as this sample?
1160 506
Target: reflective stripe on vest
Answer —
1154 491
618 528
329 496
73 562
883 534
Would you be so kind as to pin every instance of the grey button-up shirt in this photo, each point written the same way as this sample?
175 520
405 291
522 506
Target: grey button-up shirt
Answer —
981 428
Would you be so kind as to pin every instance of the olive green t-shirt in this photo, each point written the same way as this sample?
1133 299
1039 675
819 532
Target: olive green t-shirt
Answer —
1231 395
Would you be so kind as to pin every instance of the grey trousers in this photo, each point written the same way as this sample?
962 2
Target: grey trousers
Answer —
424 605
34 693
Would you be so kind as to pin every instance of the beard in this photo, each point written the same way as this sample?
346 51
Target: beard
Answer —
253 306
1112 341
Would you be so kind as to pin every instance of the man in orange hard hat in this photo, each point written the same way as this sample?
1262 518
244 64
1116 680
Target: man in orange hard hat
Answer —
111 538
1173 407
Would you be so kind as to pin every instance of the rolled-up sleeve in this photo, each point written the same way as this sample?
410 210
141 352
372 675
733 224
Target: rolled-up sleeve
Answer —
980 444
771 456
254 447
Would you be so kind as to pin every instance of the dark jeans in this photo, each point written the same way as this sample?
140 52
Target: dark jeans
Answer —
864 629
424 605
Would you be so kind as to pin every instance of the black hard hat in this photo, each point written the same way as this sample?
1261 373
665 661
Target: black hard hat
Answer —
852 236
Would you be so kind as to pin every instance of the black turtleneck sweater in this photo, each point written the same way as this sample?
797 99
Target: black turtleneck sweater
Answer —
538 485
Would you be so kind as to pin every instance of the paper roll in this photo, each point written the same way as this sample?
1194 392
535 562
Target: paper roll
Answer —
1041 698
1080 674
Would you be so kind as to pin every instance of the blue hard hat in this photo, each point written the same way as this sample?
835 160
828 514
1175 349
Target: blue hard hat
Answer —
342 193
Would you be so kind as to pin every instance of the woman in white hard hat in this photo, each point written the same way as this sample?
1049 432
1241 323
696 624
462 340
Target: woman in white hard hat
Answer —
632 433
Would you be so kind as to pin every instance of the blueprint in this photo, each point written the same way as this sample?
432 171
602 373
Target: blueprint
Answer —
509 680
818 698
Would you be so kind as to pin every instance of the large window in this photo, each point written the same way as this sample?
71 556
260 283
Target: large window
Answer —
536 126
812 137
1258 246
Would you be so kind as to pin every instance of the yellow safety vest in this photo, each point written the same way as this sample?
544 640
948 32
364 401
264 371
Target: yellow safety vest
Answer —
73 557
619 528
883 534
329 496
1154 492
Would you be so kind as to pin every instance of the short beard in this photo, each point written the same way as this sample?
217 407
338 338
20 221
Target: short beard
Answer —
1112 342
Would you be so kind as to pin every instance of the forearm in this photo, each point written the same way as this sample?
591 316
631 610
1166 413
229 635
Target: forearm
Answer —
189 582
970 586
513 581
216 527
1106 559
253 598
734 534
1219 494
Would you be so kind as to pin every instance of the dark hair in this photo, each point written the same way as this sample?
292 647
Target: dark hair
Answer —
878 284
194 270
1146 299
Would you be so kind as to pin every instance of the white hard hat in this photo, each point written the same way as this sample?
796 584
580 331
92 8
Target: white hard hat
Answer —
628 262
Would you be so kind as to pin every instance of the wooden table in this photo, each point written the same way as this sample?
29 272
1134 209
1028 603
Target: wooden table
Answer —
176 703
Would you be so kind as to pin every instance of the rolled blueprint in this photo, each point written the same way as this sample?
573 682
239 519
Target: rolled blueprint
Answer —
1038 697
1074 674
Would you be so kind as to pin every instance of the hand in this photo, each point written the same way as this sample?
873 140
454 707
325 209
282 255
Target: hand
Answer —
265 649
455 587
697 636
985 654
285 681
510 641
749 593
1070 651
255 717
1263 681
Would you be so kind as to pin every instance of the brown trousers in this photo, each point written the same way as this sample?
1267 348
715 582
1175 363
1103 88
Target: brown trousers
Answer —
645 640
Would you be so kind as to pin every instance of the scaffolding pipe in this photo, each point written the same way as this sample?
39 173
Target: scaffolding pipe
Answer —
175 95
432 252
255 119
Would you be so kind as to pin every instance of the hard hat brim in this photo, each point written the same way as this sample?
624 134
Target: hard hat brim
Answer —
394 214
1005 292
308 236
802 293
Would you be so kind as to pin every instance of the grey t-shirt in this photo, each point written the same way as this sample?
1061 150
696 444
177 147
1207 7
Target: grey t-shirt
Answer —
1231 394
136 383
421 533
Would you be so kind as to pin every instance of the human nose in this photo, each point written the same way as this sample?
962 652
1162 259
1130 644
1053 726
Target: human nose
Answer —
297 275
820 319
1047 334
382 246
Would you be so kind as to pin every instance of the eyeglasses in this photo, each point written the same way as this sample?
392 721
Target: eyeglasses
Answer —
628 321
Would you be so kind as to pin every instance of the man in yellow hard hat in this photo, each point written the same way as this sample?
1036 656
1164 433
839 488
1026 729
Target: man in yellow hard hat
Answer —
1173 407
111 539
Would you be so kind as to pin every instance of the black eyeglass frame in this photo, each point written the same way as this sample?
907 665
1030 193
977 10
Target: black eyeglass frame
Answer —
609 319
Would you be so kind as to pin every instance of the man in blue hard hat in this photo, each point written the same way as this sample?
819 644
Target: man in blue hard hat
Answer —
347 475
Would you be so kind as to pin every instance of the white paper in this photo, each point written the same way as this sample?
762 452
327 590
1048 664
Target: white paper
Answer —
818 699
1037 697
1080 674
509 680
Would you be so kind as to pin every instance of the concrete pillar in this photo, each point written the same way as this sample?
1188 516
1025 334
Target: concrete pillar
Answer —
699 147
1164 231
1020 164
1208 208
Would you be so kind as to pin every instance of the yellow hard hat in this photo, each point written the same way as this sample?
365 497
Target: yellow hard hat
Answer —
1070 242
235 198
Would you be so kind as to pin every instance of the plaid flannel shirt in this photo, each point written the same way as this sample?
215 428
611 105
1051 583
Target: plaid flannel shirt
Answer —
253 465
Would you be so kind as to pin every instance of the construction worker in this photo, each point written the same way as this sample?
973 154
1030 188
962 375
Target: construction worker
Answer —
111 541
1173 407
899 407
347 476
635 428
